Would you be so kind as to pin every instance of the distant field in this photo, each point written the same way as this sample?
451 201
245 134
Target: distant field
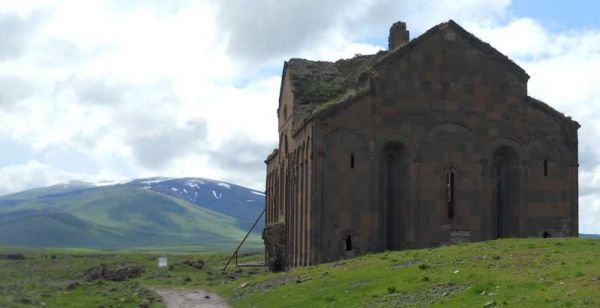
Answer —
55 277
251 246
558 272
594 236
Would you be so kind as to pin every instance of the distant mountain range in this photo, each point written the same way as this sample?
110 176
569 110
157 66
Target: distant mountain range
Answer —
152 212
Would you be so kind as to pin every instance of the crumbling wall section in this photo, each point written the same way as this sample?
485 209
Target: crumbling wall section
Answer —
274 237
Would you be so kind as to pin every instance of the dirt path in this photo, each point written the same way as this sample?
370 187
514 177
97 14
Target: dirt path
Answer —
191 299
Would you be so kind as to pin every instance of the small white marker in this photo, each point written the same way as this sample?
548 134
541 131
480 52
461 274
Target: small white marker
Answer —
162 262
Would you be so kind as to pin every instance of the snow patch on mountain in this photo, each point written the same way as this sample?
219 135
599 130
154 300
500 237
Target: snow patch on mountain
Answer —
154 180
257 193
194 183
228 186
97 182
217 196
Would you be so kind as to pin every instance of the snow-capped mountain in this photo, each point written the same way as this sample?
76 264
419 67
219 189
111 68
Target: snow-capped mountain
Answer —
142 212
236 201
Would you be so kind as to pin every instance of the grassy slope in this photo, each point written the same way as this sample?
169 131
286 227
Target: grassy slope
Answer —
118 217
56 229
524 272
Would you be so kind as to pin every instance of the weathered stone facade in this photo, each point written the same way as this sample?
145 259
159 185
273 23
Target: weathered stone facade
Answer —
432 142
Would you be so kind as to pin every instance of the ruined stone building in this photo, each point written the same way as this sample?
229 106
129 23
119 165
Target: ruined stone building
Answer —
431 142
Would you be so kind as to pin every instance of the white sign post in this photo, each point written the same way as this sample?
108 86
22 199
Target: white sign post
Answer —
162 262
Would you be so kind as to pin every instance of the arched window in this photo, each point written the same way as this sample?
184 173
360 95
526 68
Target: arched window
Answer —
450 191
352 160
545 167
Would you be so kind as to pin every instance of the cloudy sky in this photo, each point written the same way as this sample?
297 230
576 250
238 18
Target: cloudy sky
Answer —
109 90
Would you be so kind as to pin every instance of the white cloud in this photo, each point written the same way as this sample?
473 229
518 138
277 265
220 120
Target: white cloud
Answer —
31 174
123 88
521 37
589 211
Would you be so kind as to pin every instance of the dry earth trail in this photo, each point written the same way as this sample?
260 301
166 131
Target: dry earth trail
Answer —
191 299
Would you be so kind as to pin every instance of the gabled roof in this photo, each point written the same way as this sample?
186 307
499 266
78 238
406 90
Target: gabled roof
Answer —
319 86
477 43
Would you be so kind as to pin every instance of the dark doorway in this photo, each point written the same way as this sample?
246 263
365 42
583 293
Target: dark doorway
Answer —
348 243
506 178
395 196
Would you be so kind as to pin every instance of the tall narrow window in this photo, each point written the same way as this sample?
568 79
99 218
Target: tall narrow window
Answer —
450 177
545 168
348 243
352 160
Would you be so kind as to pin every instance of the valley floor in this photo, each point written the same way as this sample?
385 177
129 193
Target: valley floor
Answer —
559 272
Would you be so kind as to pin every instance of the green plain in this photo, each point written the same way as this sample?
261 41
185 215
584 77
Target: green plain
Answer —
559 272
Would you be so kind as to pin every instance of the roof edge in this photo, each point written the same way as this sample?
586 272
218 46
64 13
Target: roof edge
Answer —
283 72
271 156
540 105
490 48
468 35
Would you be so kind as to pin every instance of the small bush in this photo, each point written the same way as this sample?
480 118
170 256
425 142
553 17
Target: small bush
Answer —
392 290
330 299
423 266
480 287
425 278
12 256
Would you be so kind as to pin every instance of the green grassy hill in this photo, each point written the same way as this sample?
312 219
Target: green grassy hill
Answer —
115 217
562 272
557 272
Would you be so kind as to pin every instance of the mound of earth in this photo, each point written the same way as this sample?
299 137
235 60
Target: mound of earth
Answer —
12 256
114 273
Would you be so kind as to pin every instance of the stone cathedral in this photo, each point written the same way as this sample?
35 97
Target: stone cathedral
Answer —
432 142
